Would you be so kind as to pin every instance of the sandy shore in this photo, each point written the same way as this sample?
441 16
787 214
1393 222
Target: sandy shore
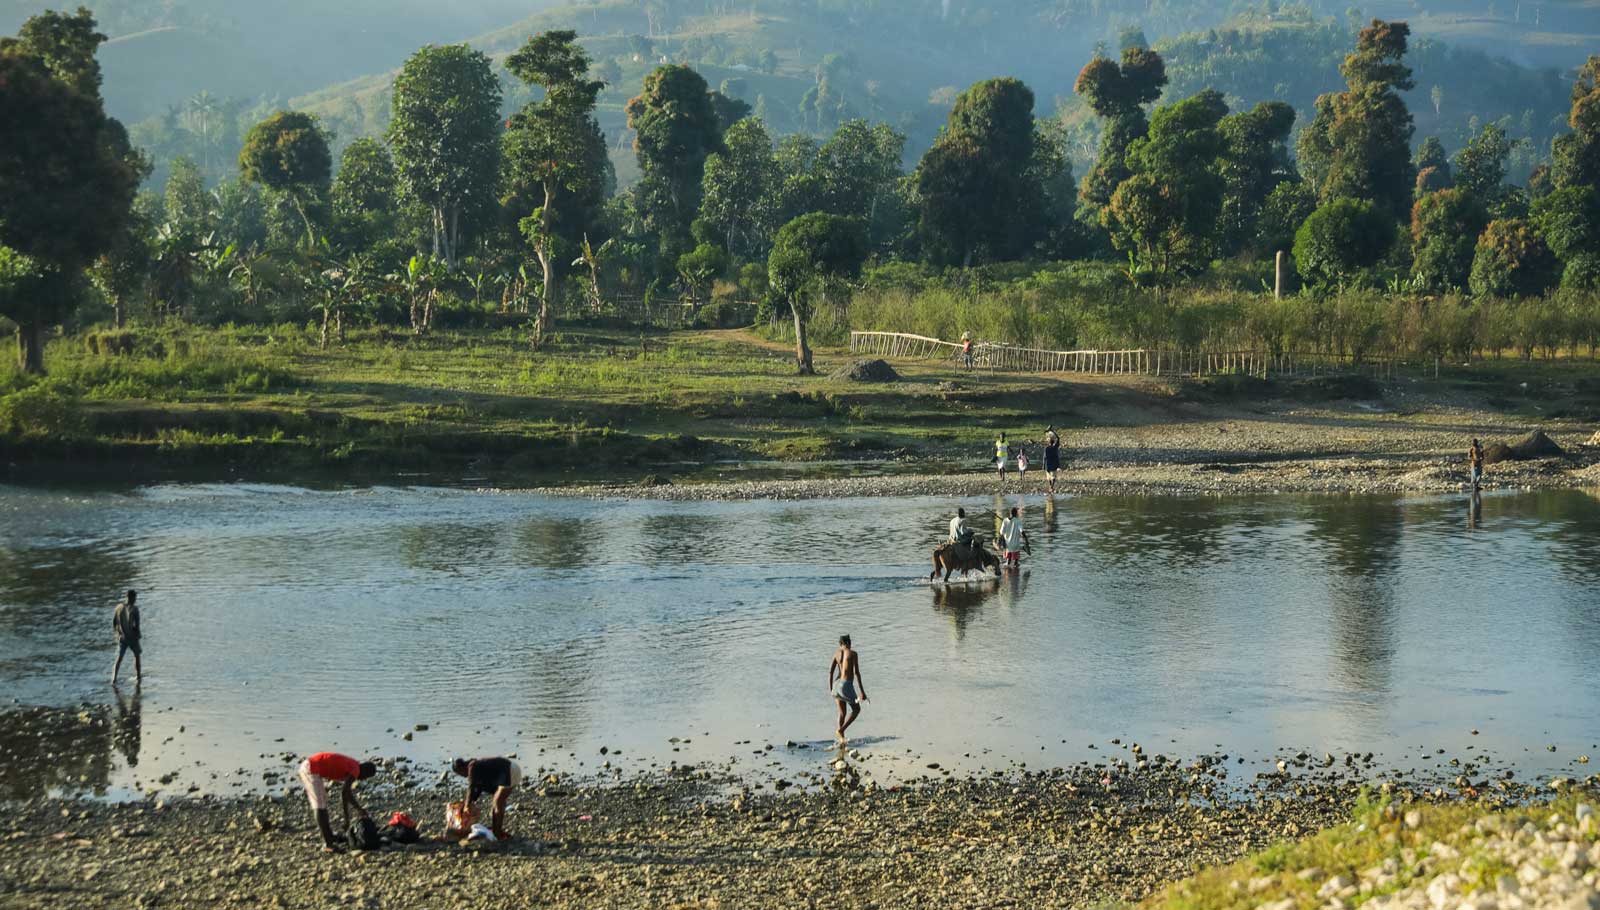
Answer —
1089 835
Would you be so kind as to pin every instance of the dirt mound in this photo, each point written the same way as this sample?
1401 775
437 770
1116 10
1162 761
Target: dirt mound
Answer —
1533 445
867 371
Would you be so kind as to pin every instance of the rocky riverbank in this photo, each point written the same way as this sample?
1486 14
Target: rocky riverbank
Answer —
1089 835
1225 476
1539 856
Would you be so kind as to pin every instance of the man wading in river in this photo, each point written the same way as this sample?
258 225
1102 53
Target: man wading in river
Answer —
125 622
849 691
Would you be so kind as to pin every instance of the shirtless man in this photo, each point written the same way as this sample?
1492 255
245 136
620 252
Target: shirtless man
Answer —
1475 463
846 666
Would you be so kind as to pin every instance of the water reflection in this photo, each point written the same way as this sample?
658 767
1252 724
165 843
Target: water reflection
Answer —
555 543
447 547
1360 538
63 586
1475 511
680 539
44 749
961 603
1171 530
129 727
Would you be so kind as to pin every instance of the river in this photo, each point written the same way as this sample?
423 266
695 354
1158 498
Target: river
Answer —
282 620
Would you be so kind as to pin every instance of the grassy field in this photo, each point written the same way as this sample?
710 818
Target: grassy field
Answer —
619 401
605 405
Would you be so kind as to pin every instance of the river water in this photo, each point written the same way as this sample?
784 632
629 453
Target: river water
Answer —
281 620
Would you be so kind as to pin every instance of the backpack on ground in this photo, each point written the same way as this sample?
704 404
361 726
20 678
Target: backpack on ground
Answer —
364 834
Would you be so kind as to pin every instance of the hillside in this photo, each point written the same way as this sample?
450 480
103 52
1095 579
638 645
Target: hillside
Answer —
905 69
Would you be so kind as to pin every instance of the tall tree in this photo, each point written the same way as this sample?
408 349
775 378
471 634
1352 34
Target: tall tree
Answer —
364 196
1480 166
445 133
1166 213
675 129
740 191
1117 94
1358 145
1575 157
1444 234
811 256
187 206
980 195
1254 161
288 154
68 174
1569 221
555 148
1433 167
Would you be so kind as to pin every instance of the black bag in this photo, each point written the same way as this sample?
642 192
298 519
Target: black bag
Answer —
364 834
399 834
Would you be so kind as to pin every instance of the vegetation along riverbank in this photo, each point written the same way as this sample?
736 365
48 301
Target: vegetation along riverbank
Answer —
618 408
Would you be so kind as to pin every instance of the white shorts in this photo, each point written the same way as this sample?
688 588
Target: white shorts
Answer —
516 775
316 788
1000 463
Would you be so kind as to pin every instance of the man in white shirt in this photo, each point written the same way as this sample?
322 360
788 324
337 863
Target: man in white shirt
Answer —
960 534
1013 539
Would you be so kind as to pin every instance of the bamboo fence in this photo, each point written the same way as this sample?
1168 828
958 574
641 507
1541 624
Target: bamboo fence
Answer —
1139 361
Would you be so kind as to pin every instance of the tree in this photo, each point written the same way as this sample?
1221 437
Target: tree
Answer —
1254 160
981 196
68 174
123 271
1568 220
1285 209
288 153
1433 167
1512 261
1166 213
1117 94
811 255
186 204
363 196
1340 239
740 190
1358 145
1480 166
1444 231
1575 157
675 129
555 148
445 133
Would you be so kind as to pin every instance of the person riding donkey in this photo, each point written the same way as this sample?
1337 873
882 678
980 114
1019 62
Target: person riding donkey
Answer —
960 534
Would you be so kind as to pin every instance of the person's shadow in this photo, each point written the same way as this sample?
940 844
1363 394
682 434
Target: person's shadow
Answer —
129 727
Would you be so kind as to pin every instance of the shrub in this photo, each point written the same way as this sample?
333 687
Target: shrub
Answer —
44 409
1512 260
1340 240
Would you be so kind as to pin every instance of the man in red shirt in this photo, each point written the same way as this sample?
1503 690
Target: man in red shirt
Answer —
341 769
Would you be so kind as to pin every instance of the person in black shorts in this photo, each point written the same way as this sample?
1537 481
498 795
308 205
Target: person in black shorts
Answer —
493 776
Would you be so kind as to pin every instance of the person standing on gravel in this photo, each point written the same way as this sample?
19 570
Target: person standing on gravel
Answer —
1002 452
125 623
1052 457
1475 463
490 776
316 772
848 690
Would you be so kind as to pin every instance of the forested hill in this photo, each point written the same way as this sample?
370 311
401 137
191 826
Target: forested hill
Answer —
191 74
163 52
